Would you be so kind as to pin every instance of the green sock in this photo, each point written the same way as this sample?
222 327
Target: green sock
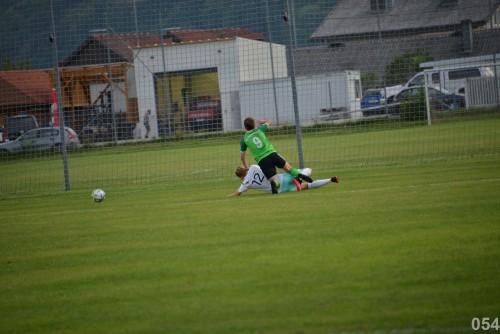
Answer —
295 172
277 183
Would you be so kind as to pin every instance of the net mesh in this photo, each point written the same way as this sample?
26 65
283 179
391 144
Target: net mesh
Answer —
113 93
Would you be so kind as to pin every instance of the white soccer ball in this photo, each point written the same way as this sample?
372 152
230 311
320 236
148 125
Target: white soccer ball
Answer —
98 195
306 171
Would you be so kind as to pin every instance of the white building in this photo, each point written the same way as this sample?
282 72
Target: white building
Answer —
250 77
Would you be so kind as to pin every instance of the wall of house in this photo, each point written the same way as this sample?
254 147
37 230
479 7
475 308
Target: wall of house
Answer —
314 93
255 60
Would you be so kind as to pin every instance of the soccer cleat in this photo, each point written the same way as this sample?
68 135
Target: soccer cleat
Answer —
274 188
305 178
335 179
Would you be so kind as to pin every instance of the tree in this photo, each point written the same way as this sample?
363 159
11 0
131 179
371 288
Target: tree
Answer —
8 65
405 66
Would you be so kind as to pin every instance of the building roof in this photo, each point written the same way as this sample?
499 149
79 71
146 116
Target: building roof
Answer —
373 55
117 48
198 35
355 19
26 87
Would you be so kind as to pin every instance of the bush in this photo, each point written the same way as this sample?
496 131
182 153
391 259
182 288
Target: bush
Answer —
414 107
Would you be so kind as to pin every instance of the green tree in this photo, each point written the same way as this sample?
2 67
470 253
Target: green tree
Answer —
413 107
9 65
405 66
370 80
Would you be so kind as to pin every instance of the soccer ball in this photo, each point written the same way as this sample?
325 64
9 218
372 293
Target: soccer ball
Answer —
98 195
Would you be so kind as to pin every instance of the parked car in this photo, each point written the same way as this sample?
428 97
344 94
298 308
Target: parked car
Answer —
40 139
412 100
439 99
372 98
204 112
17 125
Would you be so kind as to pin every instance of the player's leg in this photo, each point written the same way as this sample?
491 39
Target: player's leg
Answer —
268 168
297 173
283 164
320 183
274 184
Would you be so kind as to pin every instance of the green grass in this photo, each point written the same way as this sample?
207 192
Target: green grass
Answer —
408 248
325 151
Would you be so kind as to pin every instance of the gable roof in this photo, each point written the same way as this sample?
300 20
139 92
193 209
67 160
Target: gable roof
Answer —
117 48
27 87
373 55
355 19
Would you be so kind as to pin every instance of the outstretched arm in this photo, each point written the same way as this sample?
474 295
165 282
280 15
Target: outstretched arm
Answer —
262 121
236 193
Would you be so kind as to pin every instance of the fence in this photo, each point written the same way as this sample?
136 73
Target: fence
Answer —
482 92
143 82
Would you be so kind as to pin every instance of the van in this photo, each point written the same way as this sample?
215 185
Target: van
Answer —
452 79
17 125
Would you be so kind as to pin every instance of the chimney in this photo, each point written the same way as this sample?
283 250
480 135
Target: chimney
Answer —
467 35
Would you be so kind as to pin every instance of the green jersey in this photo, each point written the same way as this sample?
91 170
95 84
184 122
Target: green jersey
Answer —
257 142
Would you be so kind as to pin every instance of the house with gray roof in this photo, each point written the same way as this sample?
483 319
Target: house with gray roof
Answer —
367 35
361 19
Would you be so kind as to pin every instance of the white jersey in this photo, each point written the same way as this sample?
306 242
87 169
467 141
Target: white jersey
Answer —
256 179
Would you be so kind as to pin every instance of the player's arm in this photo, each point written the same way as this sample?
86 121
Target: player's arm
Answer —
243 151
243 158
236 193
264 121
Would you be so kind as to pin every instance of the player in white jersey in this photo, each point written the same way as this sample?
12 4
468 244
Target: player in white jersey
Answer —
254 178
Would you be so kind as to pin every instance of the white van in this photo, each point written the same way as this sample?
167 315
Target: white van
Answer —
452 79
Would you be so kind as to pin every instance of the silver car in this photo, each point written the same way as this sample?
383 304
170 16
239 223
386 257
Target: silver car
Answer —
40 139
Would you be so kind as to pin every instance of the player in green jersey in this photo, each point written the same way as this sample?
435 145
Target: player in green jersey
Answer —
264 153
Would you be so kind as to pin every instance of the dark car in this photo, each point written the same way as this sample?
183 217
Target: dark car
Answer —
439 99
413 100
17 125
40 139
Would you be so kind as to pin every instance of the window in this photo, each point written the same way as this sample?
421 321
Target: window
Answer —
435 78
357 87
446 3
47 133
495 19
380 5
464 73
433 93
32 134
418 80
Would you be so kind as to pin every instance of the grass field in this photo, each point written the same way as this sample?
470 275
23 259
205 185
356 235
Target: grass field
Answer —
345 146
393 249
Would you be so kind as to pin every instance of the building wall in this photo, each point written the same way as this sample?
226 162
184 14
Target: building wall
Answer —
255 60
314 94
